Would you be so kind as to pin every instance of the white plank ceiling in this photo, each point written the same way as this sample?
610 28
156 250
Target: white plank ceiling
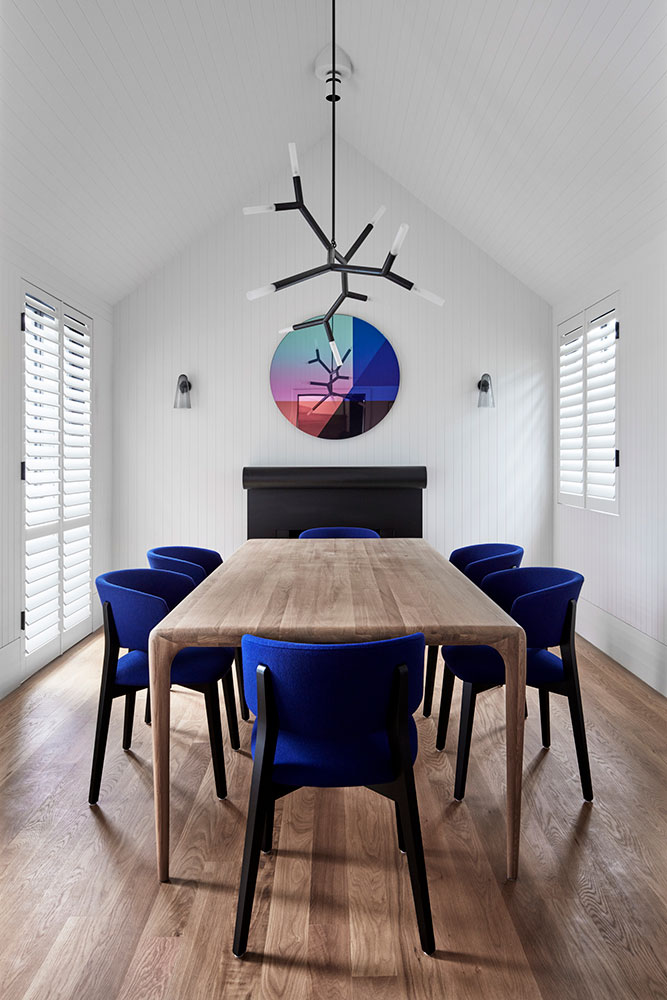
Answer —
537 128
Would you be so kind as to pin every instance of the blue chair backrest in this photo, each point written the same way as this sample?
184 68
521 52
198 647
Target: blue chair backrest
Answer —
537 597
339 533
197 563
335 692
139 599
477 561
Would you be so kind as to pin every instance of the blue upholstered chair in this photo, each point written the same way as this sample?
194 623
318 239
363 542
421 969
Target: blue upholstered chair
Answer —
194 562
476 562
133 602
543 600
333 716
339 533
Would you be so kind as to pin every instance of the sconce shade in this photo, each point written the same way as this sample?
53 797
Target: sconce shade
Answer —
485 387
182 397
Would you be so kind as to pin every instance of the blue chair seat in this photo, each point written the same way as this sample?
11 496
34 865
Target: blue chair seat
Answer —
484 665
190 666
303 760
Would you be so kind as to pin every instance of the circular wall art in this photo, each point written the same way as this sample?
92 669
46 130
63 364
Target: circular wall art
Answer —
329 401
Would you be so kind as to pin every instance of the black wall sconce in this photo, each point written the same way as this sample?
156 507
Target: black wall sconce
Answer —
182 397
485 386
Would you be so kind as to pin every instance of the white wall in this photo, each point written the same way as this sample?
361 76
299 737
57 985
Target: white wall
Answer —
624 557
17 264
178 473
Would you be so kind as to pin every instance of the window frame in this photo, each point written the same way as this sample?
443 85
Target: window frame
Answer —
581 325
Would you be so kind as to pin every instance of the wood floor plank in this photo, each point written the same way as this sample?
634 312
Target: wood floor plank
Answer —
84 916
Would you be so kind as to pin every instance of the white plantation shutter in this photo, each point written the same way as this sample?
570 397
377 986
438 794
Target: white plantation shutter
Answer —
588 454
57 473
601 471
571 410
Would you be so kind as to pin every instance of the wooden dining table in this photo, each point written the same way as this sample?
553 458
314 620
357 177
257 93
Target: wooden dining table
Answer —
336 590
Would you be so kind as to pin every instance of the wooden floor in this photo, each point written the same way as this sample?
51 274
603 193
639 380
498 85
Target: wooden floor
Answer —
82 915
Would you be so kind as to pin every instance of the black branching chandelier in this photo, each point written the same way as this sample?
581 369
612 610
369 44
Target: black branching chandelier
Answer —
336 261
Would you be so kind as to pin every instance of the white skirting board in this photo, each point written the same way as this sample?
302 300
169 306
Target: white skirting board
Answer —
10 667
637 652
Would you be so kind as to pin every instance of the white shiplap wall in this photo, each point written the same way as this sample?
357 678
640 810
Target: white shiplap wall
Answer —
177 474
624 558
18 263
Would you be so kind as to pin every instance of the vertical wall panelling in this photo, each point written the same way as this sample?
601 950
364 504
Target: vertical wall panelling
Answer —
178 472
624 557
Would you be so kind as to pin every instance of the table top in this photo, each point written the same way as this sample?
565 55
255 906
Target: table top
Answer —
336 590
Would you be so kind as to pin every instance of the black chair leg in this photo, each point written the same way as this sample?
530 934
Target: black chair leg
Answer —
230 709
445 707
267 838
215 737
408 811
261 797
243 706
429 685
101 734
128 719
147 713
579 729
465 735
545 720
399 830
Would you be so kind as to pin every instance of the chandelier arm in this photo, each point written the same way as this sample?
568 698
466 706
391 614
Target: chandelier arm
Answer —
307 324
398 280
388 263
286 206
357 295
315 226
333 123
345 268
363 235
298 190
334 308
294 279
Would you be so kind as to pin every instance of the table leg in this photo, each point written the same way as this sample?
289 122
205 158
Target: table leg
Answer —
513 651
161 652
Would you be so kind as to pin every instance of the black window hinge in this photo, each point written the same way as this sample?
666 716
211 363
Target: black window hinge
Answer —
618 330
22 322
23 471
23 621
617 459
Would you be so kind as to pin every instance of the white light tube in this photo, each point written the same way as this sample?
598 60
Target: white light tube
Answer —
259 293
258 209
398 238
285 330
378 215
336 353
293 158
429 296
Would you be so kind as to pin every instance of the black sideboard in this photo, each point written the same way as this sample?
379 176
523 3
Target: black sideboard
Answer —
284 500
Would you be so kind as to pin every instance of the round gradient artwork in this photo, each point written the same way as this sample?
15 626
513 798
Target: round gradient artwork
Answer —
329 401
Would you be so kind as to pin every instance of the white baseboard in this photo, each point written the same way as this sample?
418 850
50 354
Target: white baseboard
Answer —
637 652
11 667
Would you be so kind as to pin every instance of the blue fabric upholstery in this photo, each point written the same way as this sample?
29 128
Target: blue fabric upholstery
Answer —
332 703
484 665
477 561
537 597
139 599
339 533
191 666
195 562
